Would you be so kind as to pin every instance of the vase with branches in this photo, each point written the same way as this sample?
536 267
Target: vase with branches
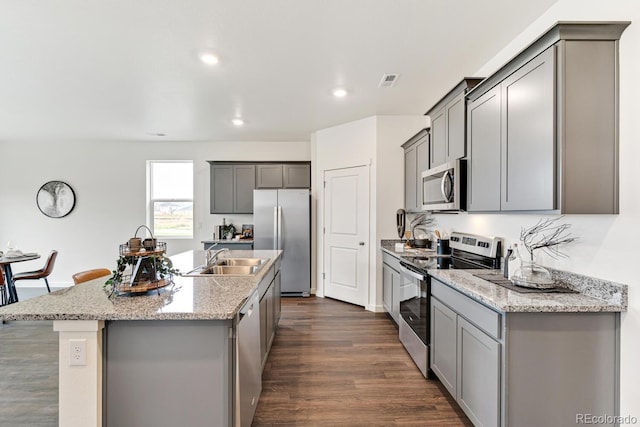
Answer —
546 235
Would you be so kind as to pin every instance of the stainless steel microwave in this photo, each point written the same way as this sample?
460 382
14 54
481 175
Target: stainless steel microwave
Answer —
444 187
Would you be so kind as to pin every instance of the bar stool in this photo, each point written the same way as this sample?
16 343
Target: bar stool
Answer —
85 276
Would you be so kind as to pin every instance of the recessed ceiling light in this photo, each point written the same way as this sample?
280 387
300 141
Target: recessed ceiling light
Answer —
237 122
339 93
209 58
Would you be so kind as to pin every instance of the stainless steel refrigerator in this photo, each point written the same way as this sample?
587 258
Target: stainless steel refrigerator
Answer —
282 220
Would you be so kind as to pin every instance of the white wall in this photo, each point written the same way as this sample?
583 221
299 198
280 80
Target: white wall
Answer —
373 141
608 243
109 181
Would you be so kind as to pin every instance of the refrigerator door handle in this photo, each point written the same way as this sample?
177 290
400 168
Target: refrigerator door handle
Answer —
280 241
275 228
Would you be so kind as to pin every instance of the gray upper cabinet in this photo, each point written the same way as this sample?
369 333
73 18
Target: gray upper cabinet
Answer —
287 175
232 188
297 175
549 119
484 120
232 183
244 181
416 160
448 123
269 176
221 177
528 144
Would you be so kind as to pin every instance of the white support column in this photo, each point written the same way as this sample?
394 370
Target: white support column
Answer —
80 387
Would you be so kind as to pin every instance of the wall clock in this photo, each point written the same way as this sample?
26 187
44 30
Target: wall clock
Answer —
56 199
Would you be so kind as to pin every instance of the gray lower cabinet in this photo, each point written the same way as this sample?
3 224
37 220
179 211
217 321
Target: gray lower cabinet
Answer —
444 345
269 297
478 387
524 369
543 121
168 373
416 161
232 188
390 289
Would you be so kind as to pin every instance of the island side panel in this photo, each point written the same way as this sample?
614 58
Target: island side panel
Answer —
560 365
168 372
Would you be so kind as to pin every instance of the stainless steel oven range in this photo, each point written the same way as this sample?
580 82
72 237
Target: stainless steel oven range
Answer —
468 251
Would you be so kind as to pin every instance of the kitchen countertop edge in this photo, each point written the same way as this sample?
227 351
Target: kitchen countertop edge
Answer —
505 300
201 298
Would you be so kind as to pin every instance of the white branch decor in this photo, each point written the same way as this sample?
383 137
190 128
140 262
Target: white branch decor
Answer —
547 235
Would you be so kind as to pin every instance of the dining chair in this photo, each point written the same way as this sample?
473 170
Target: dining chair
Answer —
3 288
43 273
85 276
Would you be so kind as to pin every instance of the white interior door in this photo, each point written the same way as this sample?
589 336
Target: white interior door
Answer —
346 234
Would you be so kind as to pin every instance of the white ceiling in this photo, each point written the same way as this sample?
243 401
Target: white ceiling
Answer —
127 69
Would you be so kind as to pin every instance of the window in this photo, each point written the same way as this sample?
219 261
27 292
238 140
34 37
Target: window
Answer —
170 190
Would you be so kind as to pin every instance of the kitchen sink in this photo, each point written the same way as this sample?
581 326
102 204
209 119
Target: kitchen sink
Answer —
241 261
230 267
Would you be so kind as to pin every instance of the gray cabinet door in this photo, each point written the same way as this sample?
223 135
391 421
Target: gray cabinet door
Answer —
243 186
483 189
478 375
297 176
443 344
528 137
221 177
269 176
410 179
277 305
438 139
422 159
455 128
387 287
232 188
390 291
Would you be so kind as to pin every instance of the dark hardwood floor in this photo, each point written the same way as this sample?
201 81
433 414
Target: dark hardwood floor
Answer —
335 364
331 364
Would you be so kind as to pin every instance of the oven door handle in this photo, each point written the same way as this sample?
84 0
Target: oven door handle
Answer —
412 273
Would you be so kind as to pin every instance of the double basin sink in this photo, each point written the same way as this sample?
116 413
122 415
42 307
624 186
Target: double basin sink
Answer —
230 267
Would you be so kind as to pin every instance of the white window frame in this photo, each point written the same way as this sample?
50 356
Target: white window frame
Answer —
151 201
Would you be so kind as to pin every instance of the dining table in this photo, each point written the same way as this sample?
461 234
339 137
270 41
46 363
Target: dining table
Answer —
5 263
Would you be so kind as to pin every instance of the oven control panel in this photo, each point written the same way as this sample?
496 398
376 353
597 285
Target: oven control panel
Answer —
481 245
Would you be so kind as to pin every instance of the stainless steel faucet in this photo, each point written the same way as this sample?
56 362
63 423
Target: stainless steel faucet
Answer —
212 255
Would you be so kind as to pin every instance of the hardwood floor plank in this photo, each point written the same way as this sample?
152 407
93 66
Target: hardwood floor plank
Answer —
335 364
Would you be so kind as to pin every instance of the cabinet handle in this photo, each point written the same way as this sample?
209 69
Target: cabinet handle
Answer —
361 243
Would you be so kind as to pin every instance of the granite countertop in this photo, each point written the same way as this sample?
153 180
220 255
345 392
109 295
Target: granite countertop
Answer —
190 298
593 295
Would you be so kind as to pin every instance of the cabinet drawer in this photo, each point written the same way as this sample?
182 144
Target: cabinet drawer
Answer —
391 261
483 317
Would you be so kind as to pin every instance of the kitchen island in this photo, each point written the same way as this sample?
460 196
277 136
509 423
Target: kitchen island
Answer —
168 357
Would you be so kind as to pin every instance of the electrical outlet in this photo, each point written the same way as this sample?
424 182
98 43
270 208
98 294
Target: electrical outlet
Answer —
78 352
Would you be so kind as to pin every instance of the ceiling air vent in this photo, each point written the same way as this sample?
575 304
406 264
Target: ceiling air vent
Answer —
388 80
